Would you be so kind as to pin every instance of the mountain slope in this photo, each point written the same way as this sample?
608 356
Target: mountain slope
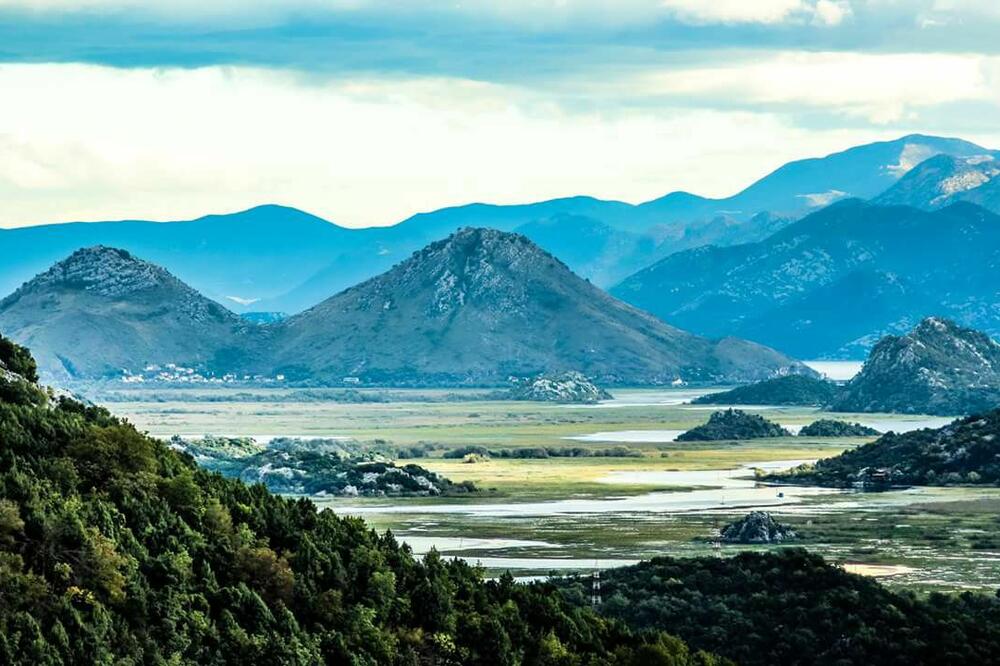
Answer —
937 368
117 549
833 283
805 185
483 305
945 179
102 311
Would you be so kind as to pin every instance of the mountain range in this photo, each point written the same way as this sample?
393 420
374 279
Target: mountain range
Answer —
475 308
274 258
833 283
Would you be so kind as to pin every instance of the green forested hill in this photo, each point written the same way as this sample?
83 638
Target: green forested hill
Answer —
115 549
791 608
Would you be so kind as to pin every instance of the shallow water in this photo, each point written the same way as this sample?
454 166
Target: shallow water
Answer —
838 371
630 436
728 489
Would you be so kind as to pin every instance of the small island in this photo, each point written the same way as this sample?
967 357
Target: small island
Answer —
834 428
733 424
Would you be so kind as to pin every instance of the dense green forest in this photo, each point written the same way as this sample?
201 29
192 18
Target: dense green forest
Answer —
116 549
790 607
966 451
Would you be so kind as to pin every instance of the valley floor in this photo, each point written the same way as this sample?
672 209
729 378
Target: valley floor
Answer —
559 513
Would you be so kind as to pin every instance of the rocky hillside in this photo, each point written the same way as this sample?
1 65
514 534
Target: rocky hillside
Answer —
789 390
316 467
483 305
733 424
833 283
946 179
567 387
937 368
964 452
103 312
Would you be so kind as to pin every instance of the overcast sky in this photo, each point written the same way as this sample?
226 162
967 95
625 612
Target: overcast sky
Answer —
366 112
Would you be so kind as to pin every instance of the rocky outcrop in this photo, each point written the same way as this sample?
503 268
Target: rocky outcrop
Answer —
757 527
938 368
566 387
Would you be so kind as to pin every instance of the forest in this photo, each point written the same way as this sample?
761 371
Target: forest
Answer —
116 549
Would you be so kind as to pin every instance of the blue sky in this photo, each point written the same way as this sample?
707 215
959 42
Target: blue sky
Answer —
366 112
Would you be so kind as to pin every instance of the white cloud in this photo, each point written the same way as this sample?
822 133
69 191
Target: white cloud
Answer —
832 12
881 88
102 143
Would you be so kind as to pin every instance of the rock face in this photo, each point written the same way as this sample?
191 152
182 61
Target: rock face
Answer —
788 390
483 305
833 428
757 527
835 282
102 311
733 424
567 387
938 368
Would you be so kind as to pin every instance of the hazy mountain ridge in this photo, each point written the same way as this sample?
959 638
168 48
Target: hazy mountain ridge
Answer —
833 283
281 259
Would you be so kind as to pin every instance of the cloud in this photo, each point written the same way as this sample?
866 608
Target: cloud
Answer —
832 12
177 143
880 88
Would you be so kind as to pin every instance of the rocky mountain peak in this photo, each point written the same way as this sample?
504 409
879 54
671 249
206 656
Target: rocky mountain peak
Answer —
103 270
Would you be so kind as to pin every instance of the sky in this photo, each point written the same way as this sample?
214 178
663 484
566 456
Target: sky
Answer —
367 112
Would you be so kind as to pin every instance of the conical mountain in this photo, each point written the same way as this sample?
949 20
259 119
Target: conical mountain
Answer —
103 312
482 305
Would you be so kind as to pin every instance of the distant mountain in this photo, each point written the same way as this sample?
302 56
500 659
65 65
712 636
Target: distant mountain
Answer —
274 258
236 259
937 368
103 311
945 179
483 305
832 284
